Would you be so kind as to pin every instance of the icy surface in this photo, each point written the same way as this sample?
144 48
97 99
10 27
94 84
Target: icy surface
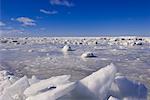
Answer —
96 85
43 58
55 93
45 84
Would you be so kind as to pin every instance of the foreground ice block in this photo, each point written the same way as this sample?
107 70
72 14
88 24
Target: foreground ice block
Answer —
54 94
15 91
4 84
123 88
46 84
104 84
96 85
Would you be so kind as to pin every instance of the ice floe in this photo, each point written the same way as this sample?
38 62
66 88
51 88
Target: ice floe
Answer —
125 41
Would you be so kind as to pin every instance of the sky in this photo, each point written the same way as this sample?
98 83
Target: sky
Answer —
74 17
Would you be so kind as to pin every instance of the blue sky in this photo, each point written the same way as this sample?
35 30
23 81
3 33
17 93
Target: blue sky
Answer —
75 17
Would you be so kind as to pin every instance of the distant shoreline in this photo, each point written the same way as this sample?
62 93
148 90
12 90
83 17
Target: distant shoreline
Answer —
127 36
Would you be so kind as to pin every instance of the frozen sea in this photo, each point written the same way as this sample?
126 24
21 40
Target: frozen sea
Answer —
46 59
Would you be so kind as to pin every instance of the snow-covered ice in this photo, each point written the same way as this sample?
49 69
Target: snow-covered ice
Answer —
97 86
54 93
35 67
45 84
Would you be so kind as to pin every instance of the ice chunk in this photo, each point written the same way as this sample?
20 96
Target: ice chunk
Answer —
113 98
4 84
6 79
11 78
45 84
138 43
87 55
16 90
54 94
124 88
31 50
66 48
4 74
96 85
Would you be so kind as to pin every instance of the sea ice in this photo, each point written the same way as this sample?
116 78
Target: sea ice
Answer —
45 84
103 84
96 85
15 91
124 88
55 93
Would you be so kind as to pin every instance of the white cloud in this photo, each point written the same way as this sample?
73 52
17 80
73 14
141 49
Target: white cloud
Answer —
26 21
48 12
2 24
62 2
